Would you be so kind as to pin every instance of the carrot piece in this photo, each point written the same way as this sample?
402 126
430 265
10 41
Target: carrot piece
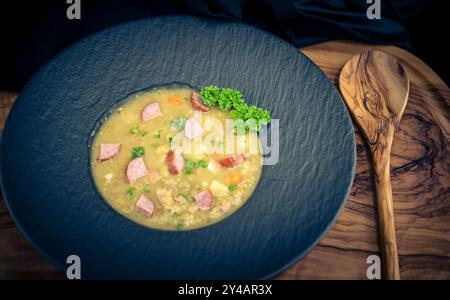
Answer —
175 100
234 178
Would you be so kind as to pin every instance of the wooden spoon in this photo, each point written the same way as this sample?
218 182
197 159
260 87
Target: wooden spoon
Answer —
375 87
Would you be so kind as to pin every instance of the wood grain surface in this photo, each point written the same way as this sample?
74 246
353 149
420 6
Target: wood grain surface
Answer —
420 182
375 87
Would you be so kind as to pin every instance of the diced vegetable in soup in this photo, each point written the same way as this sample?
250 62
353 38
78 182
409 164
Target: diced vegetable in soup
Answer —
167 160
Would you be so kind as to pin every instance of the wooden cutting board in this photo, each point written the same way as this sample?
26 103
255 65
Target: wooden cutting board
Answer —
420 182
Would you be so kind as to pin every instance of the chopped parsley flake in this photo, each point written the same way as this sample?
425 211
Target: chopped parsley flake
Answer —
137 152
130 192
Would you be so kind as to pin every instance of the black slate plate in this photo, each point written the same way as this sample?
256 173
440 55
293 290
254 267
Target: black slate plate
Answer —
45 153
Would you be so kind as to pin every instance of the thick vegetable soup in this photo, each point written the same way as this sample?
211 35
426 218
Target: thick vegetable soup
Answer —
166 160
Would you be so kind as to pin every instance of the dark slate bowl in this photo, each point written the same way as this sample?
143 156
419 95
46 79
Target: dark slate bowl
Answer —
45 152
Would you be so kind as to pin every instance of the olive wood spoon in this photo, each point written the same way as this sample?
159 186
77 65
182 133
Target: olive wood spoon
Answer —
375 88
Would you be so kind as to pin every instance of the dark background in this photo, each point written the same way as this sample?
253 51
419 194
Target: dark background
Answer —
32 32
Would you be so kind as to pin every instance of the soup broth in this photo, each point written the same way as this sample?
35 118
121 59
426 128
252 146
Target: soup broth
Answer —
162 162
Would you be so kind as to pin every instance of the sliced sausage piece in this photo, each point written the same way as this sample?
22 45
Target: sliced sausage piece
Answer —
145 205
136 169
151 111
204 200
108 151
232 160
175 162
192 128
197 103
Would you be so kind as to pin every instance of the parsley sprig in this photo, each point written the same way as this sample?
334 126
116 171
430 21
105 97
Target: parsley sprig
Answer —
233 100
137 152
190 166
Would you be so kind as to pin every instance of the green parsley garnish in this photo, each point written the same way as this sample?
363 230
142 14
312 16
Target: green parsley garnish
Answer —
154 145
252 116
134 130
190 166
130 192
202 164
170 140
178 123
187 197
239 127
230 98
137 152
233 100
158 134
232 187
179 226
146 189
144 133
210 95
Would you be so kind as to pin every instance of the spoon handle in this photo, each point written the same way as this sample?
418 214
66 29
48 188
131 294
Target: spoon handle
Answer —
386 217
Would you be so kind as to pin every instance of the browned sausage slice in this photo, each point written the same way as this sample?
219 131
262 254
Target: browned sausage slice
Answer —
232 160
175 162
197 103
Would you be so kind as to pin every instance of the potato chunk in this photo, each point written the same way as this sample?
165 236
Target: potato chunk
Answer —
218 188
